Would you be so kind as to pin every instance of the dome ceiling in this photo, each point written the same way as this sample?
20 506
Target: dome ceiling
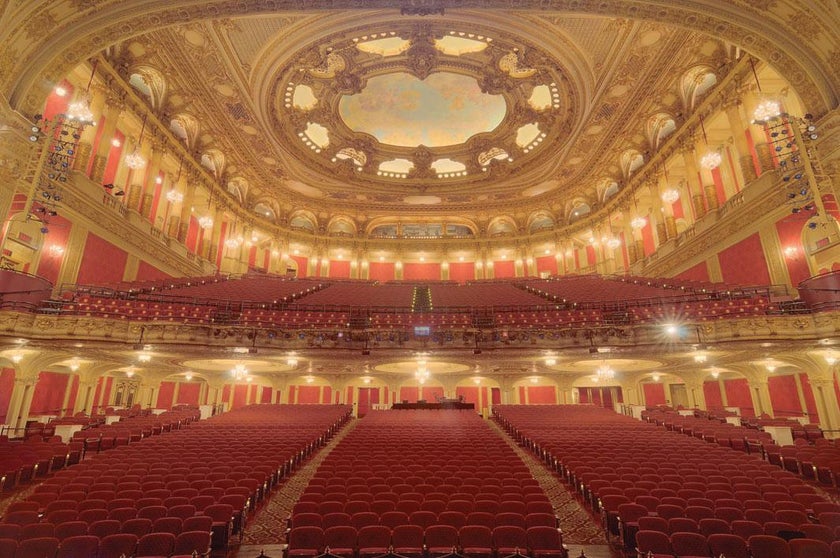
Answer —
473 114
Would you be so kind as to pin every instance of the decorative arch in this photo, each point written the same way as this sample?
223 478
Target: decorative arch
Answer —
304 220
187 128
239 188
694 84
151 83
214 161
342 225
577 209
540 220
606 189
658 127
630 161
503 225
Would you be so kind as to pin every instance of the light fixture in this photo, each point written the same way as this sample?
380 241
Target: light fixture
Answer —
205 222
17 357
605 372
292 362
613 243
79 110
770 367
309 379
831 360
767 109
477 381
712 159
715 373
638 223
790 251
174 196
134 160
188 376
143 357
55 250
700 357
60 91
656 377
365 380
670 195
239 372
534 379
550 361
671 329
130 371
74 365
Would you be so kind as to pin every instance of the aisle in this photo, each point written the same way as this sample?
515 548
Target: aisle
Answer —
267 526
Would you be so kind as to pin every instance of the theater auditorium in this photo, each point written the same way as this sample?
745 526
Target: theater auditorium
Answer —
419 278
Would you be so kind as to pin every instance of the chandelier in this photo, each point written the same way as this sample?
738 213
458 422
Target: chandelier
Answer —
79 110
767 110
205 222
174 196
239 372
638 223
613 243
422 373
670 195
711 160
136 161
605 372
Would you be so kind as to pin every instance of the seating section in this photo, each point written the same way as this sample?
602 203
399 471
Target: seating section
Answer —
166 494
415 480
686 485
561 302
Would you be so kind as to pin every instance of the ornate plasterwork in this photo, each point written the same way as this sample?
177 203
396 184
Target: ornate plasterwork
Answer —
335 71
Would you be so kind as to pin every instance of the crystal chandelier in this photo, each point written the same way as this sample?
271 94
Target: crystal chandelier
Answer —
205 222
605 372
422 373
638 223
136 161
767 110
613 243
670 195
174 196
711 160
79 110
239 372
232 243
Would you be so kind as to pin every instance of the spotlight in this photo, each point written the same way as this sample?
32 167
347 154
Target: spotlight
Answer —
108 186
120 193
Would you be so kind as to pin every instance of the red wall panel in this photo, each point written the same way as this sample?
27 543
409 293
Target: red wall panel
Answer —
56 104
744 263
113 163
408 393
784 396
808 394
469 393
789 230
421 272
49 393
738 395
267 394
240 394
148 272
309 395
591 258
432 393
50 263
542 395
340 269
381 271
165 395
74 393
302 264
648 244
654 394
504 269
698 272
711 390
547 264
188 393
496 396
327 394
462 271
102 262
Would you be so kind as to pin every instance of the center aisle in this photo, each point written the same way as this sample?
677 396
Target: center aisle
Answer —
268 525
576 523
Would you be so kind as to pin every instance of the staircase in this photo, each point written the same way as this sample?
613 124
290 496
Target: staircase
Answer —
421 300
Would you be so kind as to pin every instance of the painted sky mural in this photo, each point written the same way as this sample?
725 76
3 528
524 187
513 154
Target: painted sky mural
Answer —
401 110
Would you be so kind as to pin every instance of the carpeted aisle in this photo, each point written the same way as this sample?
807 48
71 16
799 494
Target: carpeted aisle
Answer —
576 522
268 524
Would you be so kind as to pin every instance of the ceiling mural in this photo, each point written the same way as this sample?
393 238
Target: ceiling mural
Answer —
444 109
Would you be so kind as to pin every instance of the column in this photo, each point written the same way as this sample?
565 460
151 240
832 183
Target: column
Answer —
181 224
693 184
760 393
26 403
73 252
83 397
758 132
696 395
656 216
827 405
175 391
744 163
150 183
212 240
109 127
65 401
16 402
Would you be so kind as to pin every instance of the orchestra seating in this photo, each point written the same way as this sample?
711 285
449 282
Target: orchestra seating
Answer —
641 477
166 494
421 479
